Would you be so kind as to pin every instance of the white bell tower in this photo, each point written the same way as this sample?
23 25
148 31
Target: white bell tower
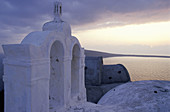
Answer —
45 72
57 11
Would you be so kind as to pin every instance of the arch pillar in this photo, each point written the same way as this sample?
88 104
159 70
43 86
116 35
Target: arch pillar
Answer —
82 77
67 81
78 91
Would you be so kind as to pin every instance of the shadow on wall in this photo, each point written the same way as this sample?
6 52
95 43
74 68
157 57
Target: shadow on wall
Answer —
1 84
2 101
1 72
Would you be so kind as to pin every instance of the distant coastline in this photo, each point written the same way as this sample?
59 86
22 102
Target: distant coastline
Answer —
92 53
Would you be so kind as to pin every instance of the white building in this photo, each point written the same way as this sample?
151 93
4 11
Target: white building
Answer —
45 73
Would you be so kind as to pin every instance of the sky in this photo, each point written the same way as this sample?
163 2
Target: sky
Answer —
115 26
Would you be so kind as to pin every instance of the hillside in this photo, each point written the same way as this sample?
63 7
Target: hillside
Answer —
92 53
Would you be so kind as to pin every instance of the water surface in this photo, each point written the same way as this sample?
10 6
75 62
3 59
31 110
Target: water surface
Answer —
143 68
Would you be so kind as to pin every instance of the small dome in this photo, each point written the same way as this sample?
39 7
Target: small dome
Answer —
58 26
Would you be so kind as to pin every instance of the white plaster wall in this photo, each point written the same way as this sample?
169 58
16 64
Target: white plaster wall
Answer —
82 77
31 59
10 40
44 73
40 86
15 84
23 84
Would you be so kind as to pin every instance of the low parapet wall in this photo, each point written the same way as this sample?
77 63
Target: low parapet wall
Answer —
96 73
93 70
114 74
99 78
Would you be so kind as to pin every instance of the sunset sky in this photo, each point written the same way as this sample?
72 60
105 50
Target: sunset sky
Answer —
116 26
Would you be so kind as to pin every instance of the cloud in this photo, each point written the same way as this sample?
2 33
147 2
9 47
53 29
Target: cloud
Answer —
78 12
19 17
100 13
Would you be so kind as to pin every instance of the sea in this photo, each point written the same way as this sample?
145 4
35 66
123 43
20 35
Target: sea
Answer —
143 68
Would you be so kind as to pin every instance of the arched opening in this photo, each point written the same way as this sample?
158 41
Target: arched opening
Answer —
56 84
60 10
75 66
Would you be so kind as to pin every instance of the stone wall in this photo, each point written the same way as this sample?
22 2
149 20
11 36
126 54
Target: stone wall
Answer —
96 73
101 78
114 74
93 70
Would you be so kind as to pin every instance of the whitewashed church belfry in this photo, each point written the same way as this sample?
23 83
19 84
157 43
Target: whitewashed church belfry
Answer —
45 73
57 11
